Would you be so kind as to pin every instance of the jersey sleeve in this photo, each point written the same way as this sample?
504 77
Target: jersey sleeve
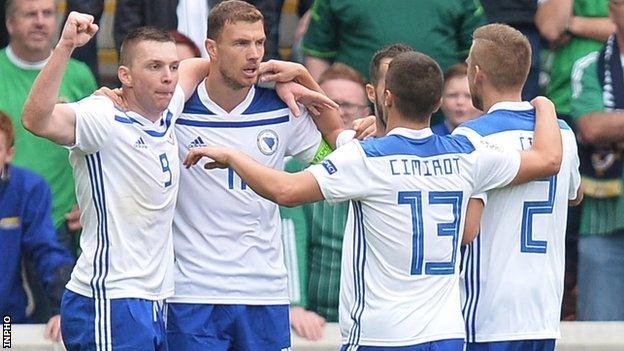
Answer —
176 105
495 167
94 119
305 139
343 174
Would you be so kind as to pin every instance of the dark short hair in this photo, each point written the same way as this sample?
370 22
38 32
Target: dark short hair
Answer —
391 52
231 11
416 81
139 35
6 127
502 53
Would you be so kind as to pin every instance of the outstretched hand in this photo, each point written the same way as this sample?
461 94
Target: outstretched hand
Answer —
78 30
218 156
292 94
280 71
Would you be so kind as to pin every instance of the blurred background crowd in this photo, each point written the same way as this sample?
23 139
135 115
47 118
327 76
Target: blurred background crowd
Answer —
577 63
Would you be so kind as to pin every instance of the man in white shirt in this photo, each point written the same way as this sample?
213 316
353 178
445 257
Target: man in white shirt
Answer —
230 277
127 175
400 287
512 284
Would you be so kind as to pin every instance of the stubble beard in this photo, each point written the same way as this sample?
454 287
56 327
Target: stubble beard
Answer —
231 82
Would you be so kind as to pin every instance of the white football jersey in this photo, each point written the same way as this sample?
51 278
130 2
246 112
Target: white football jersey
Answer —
512 282
400 264
227 239
126 170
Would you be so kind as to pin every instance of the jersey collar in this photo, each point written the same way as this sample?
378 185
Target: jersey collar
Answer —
411 133
511 106
214 107
23 64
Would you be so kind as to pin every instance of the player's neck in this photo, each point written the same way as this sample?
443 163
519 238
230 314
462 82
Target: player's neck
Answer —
396 120
492 96
226 97
135 106
29 56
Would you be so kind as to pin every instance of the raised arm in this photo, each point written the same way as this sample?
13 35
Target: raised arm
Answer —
544 158
42 115
191 72
285 189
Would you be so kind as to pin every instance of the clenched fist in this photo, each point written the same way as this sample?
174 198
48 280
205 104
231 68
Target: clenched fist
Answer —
78 30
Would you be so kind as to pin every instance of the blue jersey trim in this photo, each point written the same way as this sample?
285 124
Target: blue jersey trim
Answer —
359 262
433 145
126 120
505 120
194 105
232 124
264 100
440 129
101 257
154 133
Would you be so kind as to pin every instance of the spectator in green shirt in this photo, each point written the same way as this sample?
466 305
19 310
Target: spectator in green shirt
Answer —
32 28
573 28
351 31
597 105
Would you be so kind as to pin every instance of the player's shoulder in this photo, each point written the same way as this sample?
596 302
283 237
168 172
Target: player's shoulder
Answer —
502 121
194 104
426 147
505 120
264 100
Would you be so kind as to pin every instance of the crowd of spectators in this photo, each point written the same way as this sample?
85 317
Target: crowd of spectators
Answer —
577 62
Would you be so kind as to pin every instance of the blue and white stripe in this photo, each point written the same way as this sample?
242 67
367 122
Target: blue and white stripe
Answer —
472 286
359 261
101 259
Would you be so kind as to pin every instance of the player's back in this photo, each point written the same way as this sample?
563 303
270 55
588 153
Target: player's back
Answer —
401 251
513 272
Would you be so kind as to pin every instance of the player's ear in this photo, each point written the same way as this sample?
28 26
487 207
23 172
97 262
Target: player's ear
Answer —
123 73
438 105
478 76
370 93
211 48
388 98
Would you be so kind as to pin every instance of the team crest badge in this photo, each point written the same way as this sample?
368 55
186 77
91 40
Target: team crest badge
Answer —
267 142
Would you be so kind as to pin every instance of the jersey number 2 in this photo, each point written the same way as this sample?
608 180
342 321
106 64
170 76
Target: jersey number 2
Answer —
414 200
531 208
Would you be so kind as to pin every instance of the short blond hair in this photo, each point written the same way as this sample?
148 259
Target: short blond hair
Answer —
503 54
